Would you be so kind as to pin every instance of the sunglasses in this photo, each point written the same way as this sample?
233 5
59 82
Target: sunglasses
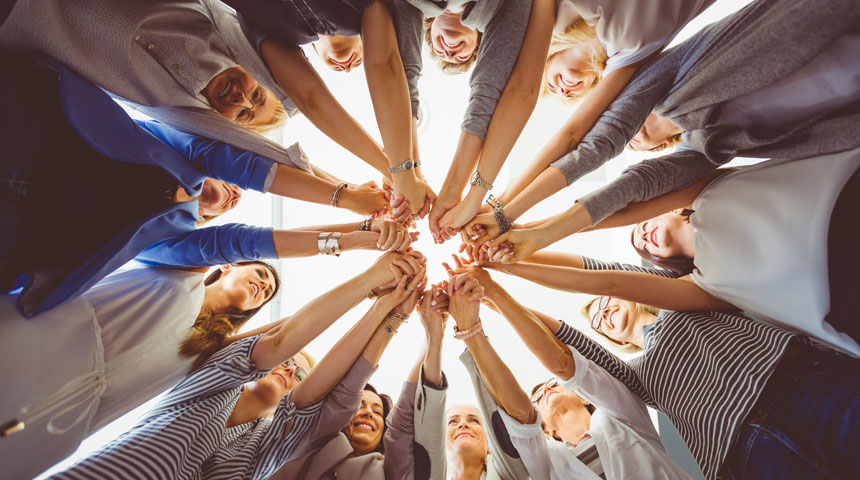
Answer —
300 372
597 318
551 383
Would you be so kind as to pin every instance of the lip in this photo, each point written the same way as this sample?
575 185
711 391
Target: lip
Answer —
653 237
226 89
256 289
462 433
346 63
363 422
610 319
283 379
442 40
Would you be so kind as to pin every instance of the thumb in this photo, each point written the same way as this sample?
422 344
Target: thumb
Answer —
496 242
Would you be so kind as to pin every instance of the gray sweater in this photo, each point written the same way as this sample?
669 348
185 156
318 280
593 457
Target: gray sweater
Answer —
758 45
503 24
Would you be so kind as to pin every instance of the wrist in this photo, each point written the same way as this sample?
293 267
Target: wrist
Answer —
475 195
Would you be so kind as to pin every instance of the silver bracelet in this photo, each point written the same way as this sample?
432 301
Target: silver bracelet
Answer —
335 197
398 318
504 222
321 242
476 179
332 244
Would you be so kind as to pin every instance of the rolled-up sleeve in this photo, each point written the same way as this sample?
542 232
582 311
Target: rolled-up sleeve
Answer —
211 246
497 55
215 159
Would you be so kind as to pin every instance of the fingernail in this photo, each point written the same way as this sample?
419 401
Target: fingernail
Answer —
433 303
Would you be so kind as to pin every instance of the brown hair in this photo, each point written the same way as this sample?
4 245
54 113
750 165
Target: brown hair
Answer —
387 405
211 328
279 118
576 34
615 344
678 265
446 66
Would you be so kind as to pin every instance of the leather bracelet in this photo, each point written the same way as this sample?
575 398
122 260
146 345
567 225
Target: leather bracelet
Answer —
469 333
335 197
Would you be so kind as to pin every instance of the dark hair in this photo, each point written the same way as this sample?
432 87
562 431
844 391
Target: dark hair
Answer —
211 328
387 405
679 265
591 408
446 66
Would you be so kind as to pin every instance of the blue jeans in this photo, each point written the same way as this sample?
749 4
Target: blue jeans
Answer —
806 425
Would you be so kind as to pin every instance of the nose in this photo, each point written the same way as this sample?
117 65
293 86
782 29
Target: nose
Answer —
239 98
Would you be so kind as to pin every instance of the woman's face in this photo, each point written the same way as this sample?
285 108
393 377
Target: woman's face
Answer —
246 287
663 236
553 400
655 131
239 98
568 73
217 197
616 320
451 40
465 432
365 430
340 53
283 378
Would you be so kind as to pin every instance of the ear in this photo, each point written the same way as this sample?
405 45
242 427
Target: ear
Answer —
678 211
225 268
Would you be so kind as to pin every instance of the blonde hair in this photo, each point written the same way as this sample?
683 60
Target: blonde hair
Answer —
311 361
211 328
577 34
446 66
279 118
614 344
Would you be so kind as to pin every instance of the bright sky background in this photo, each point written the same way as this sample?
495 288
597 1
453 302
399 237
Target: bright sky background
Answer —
444 99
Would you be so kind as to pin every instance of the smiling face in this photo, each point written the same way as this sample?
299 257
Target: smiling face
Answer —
365 430
554 402
239 98
569 73
665 236
244 287
656 131
465 434
452 41
217 197
282 378
340 53
616 320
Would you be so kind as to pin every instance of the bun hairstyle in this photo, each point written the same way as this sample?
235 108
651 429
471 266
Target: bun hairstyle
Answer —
446 66
211 328
387 405
678 265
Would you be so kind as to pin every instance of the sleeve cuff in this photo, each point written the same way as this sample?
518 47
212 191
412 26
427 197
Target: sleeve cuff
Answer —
565 333
266 243
522 430
358 375
581 364
269 179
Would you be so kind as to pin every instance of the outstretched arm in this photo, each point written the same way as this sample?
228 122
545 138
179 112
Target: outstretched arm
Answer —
497 377
298 79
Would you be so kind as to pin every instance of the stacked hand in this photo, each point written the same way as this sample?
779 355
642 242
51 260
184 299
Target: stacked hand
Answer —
365 199
465 293
390 268
383 235
433 310
516 245
412 193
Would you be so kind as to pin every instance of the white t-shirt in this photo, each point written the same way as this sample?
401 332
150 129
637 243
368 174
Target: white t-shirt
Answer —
626 440
83 364
629 29
761 241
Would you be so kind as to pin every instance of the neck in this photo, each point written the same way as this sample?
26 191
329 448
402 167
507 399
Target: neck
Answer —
574 423
213 301
461 468
248 407
686 238
642 319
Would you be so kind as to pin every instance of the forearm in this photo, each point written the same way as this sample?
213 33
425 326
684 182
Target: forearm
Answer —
338 227
341 357
558 259
573 220
311 320
295 183
536 334
465 159
559 145
547 183
433 362
386 80
416 369
319 172
380 340
500 382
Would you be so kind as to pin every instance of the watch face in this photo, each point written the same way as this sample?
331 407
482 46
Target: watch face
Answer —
408 164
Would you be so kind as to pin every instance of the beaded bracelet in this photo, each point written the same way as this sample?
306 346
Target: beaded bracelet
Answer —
366 225
464 334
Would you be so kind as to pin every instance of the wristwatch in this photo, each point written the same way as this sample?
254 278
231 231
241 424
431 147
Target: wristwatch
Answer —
476 179
407 165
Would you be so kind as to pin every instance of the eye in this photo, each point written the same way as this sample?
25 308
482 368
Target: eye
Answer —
257 97
243 116
473 420
452 421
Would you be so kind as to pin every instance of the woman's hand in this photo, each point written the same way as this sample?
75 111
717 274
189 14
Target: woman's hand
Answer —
458 216
386 303
416 283
490 287
464 304
366 199
392 235
433 311
414 191
388 268
443 204
481 229
516 244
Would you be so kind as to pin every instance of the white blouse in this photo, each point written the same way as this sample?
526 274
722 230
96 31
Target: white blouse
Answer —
629 29
77 367
761 241
627 442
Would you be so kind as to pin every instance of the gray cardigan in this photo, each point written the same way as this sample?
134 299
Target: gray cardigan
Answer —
758 45
326 449
503 23
155 55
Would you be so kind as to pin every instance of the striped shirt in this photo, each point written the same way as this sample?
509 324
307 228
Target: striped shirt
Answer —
704 370
184 437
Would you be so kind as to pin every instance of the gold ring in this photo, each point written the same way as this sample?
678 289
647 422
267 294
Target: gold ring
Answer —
400 232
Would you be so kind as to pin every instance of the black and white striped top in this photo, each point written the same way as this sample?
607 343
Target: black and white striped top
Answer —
184 437
704 370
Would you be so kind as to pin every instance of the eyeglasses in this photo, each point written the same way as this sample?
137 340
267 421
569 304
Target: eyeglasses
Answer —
300 372
549 384
597 318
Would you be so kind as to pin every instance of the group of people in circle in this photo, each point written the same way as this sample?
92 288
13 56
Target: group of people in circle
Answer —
742 316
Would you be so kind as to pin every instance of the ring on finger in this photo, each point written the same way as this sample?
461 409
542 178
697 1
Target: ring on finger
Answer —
409 291
400 232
